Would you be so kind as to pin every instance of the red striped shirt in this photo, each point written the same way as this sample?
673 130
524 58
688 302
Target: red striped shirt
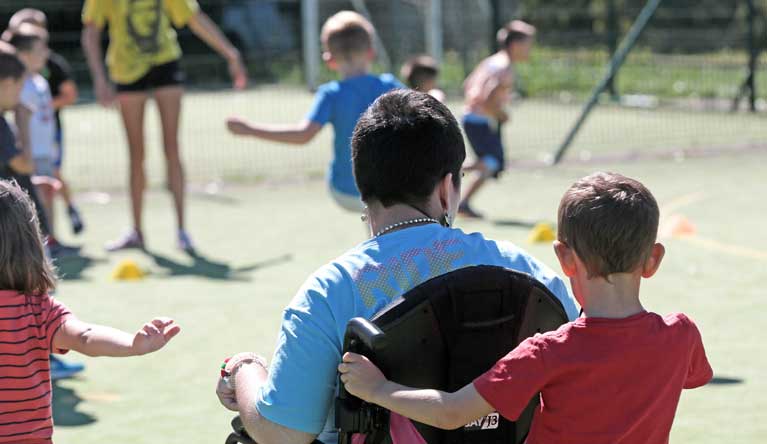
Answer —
27 326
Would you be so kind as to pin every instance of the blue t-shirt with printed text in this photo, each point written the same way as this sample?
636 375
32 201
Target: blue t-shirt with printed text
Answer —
341 103
302 381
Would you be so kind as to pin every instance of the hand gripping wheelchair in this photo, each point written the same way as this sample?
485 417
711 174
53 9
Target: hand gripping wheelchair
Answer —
442 334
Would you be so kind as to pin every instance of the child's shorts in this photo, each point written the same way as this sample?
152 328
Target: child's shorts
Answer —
168 74
44 166
485 138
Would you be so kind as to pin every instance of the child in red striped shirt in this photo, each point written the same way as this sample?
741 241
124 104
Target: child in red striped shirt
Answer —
34 324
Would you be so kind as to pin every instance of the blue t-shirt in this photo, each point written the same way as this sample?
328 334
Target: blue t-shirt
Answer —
342 103
302 381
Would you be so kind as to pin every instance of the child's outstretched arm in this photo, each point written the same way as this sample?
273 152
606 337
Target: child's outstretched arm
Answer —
433 407
297 134
98 340
207 31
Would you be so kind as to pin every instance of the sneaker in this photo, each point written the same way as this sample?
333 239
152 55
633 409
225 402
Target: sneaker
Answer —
76 220
131 239
185 242
63 370
466 211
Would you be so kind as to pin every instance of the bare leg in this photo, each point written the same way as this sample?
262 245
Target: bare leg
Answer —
132 110
46 191
64 192
169 104
66 196
474 187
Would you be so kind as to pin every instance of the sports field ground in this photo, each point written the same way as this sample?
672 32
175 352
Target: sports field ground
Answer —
263 221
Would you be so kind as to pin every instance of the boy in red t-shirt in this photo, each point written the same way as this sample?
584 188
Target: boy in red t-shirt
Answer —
613 375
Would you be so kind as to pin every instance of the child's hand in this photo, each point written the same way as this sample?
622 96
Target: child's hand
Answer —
105 94
154 335
360 376
238 72
237 126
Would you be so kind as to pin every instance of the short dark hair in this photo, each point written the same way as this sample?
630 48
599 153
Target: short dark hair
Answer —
11 66
403 145
419 69
611 221
23 264
24 37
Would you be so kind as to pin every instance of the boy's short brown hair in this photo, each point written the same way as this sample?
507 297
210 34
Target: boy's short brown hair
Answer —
24 37
418 70
611 221
347 33
23 264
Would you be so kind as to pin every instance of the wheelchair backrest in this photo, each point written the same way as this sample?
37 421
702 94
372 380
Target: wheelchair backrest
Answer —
442 334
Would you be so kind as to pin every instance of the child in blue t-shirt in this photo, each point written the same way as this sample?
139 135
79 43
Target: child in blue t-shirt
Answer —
347 39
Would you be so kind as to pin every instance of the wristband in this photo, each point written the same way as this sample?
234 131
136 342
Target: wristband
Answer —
231 365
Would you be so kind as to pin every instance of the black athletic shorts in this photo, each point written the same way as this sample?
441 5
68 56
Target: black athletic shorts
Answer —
168 74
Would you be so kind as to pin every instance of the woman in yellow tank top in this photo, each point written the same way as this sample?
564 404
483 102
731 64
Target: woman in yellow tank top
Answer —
142 59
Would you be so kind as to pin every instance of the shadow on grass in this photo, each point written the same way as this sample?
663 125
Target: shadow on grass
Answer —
65 402
71 267
212 269
724 380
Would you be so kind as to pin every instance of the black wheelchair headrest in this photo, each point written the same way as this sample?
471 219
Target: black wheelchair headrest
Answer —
443 334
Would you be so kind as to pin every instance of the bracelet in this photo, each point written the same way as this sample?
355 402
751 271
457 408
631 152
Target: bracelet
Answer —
231 365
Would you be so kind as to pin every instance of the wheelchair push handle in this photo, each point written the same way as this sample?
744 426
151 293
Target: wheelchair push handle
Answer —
362 336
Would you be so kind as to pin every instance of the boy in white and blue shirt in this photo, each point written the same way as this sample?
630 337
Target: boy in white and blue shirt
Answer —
347 38
35 115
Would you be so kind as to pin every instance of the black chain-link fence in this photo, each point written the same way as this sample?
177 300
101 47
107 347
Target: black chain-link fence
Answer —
674 93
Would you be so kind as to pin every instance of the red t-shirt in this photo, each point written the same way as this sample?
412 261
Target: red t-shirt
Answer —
27 326
601 380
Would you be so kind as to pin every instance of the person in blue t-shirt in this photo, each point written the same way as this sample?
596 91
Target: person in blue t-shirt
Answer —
347 38
407 152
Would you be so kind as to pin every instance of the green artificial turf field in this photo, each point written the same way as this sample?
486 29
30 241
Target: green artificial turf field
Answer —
259 240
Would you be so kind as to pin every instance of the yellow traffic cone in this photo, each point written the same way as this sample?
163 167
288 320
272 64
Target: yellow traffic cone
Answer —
541 232
681 227
128 270
677 226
